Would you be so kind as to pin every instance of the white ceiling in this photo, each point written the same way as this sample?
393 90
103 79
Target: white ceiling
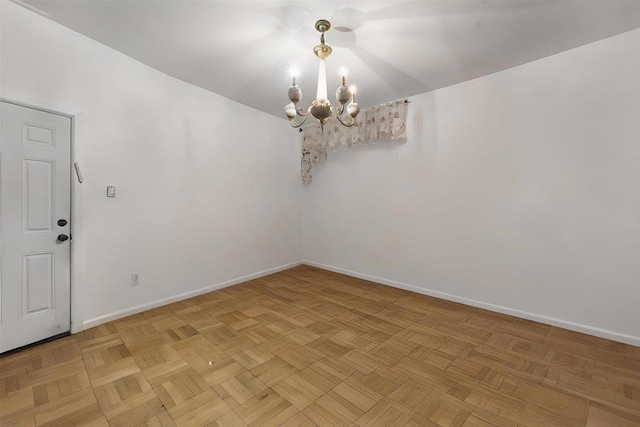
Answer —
244 50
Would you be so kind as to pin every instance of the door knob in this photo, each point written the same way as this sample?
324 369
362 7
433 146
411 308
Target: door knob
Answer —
63 237
62 222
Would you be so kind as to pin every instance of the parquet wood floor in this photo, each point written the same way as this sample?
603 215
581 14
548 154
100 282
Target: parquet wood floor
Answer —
307 347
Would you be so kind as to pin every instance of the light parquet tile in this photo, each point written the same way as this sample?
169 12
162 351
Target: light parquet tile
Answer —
181 387
268 408
135 410
222 370
72 410
273 371
239 389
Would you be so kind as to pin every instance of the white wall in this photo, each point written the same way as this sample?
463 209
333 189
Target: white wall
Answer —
518 192
208 190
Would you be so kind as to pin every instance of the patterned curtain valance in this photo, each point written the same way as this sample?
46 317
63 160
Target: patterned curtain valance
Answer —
379 123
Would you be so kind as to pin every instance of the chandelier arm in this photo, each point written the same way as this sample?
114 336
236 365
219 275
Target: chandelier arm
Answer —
301 123
353 121
300 112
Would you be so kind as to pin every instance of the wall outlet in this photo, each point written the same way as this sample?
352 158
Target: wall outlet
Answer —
135 279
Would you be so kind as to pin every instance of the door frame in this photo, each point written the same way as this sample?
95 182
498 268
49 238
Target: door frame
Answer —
76 215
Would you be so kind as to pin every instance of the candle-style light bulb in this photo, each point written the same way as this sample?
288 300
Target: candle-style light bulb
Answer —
343 94
343 72
295 94
353 108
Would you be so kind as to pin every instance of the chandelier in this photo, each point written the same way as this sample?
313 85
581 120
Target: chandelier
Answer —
321 108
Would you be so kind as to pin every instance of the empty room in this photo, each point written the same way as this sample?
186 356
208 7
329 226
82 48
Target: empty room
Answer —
320 213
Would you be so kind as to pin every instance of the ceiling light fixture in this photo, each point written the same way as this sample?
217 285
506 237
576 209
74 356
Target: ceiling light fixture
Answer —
321 108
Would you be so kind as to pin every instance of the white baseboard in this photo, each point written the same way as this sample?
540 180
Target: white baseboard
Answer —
590 330
90 323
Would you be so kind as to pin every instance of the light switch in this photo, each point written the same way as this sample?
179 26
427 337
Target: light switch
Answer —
111 191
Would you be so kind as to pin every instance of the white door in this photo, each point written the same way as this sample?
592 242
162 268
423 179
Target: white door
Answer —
35 207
